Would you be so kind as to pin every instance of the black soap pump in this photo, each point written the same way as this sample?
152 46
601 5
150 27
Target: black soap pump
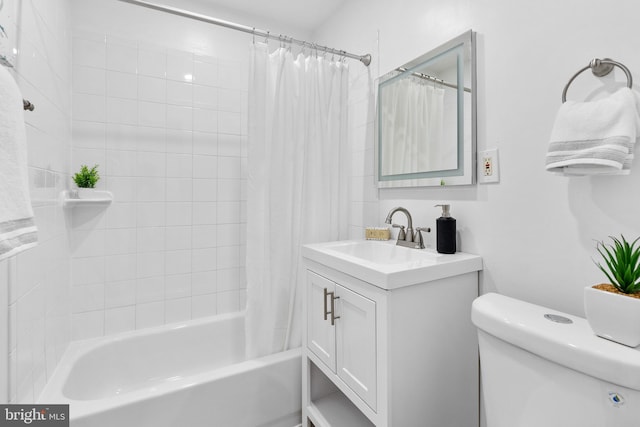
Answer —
446 232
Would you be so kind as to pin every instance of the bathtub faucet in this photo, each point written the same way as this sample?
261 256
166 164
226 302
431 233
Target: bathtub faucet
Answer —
407 238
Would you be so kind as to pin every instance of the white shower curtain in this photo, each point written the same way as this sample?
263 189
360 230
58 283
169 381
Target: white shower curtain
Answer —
412 128
297 184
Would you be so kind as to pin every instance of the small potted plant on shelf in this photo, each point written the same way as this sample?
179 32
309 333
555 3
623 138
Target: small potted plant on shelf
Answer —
613 309
86 181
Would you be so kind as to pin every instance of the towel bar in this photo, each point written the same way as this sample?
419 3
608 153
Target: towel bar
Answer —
599 68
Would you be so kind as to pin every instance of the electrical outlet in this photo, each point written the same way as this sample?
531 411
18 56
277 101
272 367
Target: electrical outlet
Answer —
488 170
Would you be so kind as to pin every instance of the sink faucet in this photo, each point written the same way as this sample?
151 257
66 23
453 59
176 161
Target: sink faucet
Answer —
407 238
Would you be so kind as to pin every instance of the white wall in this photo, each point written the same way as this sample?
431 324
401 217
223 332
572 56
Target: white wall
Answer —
535 231
38 279
172 149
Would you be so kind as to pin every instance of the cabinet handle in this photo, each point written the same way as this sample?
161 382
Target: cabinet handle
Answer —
333 309
326 293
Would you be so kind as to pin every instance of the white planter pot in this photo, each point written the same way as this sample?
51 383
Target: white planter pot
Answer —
613 316
86 193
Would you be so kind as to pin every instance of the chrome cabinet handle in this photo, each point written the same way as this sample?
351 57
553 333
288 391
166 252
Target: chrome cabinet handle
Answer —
333 309
326 293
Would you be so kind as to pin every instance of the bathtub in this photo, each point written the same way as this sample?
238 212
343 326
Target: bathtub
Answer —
188 374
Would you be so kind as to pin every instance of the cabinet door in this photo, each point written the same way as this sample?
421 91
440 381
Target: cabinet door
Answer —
321 336
356 343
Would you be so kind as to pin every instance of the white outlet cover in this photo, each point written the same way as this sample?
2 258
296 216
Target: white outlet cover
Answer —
488 166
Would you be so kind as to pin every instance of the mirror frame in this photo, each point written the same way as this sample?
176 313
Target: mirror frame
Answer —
465 174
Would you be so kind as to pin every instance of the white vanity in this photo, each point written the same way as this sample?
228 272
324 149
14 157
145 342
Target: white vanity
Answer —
388 338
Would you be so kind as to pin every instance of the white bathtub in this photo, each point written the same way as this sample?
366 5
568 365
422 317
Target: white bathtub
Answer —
189 374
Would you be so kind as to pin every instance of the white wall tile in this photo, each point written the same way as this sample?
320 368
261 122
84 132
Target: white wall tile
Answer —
205 120
204 236
178 237
122 85
150 189
179 189
121 137
122 55
179 165
203 259
121 215
204 305
228 301
204 282
150 264
179 118
205 73
120 319
150 239
205 97
89 324
87 298
179 141
149 289
205 190
89 80
151 214
120 163
90 108
152 89
119 294
179 66
178 262
177 310
177 286
205 166
92 53
120 267
149 314
152 114
179 213
122 111
204 213
179 93
152 61
89 135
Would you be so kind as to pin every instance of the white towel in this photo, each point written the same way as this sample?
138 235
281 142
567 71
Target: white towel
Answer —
17 224
596 137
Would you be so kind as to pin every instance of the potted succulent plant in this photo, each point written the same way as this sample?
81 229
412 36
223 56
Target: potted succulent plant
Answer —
86 181
613 310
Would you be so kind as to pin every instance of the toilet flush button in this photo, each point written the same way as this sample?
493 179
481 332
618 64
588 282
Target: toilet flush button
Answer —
558 319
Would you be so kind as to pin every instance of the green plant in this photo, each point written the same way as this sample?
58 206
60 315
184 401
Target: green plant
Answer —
86 178
622 264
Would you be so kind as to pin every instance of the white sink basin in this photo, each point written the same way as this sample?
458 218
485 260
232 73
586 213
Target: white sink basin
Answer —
389 266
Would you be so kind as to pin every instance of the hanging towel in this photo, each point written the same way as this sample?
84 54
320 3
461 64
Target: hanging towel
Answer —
596 137
17 224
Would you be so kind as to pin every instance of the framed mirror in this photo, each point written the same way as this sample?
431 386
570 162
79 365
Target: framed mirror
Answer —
426 119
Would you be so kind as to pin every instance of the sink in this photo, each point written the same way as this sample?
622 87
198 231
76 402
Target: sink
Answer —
382 253
388 266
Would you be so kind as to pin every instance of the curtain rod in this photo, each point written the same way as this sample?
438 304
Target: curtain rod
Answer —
365 59
431 78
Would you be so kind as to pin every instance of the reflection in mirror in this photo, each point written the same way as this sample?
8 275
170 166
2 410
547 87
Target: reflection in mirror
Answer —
426 119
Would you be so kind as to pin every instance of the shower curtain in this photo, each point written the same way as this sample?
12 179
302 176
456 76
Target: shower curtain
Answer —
297 184
413 130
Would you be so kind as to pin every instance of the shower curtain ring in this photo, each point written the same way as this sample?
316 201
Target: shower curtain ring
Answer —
253 35
266 39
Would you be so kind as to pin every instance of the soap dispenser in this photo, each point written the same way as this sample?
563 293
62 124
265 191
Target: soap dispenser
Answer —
446 232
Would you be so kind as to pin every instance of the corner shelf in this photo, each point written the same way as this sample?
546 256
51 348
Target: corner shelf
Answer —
101 198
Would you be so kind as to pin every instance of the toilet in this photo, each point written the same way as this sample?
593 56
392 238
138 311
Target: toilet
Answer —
543 368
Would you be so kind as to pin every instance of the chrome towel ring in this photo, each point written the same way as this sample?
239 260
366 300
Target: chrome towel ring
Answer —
600 68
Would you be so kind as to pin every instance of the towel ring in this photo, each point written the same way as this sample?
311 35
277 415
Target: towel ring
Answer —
599 68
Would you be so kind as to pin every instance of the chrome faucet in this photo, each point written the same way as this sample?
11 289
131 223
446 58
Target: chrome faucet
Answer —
407 238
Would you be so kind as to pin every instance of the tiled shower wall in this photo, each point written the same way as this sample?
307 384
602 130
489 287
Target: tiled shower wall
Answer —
38 43
168 131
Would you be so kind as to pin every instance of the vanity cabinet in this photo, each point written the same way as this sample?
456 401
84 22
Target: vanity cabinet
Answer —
345 344
387 354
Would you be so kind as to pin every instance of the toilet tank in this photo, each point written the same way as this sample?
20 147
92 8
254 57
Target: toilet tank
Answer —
539 371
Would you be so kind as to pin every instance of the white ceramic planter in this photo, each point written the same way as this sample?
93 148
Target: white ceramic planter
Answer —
86 193
613 316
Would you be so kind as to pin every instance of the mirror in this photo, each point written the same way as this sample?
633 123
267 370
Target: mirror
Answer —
426 118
